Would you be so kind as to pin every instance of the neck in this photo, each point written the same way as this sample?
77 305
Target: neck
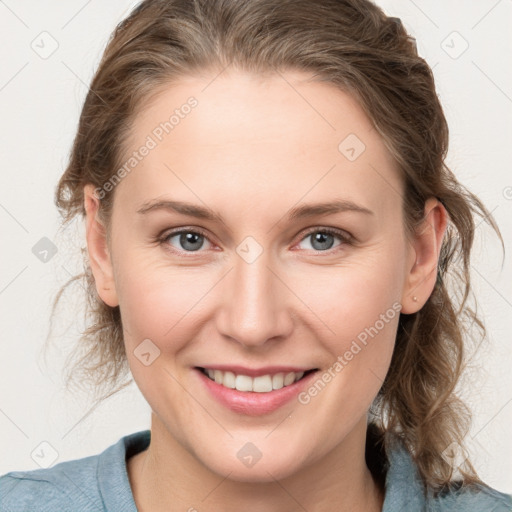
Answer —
168 477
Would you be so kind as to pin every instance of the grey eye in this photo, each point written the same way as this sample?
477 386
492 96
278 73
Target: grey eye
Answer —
188 241
321 240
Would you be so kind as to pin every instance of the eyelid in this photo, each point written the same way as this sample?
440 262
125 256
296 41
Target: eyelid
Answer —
341 233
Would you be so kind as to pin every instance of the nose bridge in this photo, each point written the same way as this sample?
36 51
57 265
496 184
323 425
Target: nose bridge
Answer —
255 306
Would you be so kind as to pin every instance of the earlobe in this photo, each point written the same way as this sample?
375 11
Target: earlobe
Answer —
97 247
426 248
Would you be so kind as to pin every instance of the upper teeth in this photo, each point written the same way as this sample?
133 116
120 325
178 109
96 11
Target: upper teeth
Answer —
261 384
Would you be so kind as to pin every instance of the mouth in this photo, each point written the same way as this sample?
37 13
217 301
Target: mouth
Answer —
264 383
262 392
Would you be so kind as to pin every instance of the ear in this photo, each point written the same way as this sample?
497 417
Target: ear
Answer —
99 254
425 249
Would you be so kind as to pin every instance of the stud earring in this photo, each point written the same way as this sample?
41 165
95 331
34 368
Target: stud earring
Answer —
415 299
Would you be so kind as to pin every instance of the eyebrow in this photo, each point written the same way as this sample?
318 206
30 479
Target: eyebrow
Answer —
299 212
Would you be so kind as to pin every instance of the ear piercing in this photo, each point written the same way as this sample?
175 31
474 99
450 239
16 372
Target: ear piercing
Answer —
415 299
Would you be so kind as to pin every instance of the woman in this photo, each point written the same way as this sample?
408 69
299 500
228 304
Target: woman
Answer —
271 232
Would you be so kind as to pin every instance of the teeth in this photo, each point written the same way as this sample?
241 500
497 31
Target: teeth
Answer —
261 384
289 378
278 381
242 383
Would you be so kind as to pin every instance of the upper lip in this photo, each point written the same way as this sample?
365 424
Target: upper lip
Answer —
256 372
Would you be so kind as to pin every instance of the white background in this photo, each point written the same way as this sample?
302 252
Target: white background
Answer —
40 101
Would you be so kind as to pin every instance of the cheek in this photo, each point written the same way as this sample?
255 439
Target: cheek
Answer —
352 296
357 307
155 297
157 305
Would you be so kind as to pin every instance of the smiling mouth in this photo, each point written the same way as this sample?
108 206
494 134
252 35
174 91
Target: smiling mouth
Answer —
260 384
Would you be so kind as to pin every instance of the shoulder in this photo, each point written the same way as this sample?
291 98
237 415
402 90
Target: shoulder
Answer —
70 485
95 483
405 491
481 498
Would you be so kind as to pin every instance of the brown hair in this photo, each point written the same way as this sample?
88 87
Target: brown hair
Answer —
355 46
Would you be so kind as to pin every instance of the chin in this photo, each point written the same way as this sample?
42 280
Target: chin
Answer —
248 464
261 472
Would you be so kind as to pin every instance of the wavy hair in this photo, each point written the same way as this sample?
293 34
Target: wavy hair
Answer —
354 46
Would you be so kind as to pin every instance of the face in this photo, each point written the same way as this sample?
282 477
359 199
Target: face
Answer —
250 279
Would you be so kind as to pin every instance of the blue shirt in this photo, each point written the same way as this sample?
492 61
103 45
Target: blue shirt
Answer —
100 483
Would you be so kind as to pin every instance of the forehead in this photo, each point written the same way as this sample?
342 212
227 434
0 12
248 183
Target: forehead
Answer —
275 138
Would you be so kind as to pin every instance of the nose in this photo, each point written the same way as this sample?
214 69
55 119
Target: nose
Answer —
256 303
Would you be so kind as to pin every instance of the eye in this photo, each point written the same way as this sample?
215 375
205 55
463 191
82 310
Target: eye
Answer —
186 240
322 238
193 240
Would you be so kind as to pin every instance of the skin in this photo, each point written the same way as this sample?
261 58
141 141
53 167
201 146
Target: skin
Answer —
252 150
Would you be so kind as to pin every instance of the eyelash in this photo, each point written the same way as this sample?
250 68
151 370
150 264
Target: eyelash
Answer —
345 238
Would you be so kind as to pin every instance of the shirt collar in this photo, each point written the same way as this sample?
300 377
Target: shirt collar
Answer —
404 489
112 473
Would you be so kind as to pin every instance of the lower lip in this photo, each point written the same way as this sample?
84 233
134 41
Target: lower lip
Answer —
253 403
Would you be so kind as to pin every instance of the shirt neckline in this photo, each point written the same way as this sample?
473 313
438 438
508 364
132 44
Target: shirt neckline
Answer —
397 473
